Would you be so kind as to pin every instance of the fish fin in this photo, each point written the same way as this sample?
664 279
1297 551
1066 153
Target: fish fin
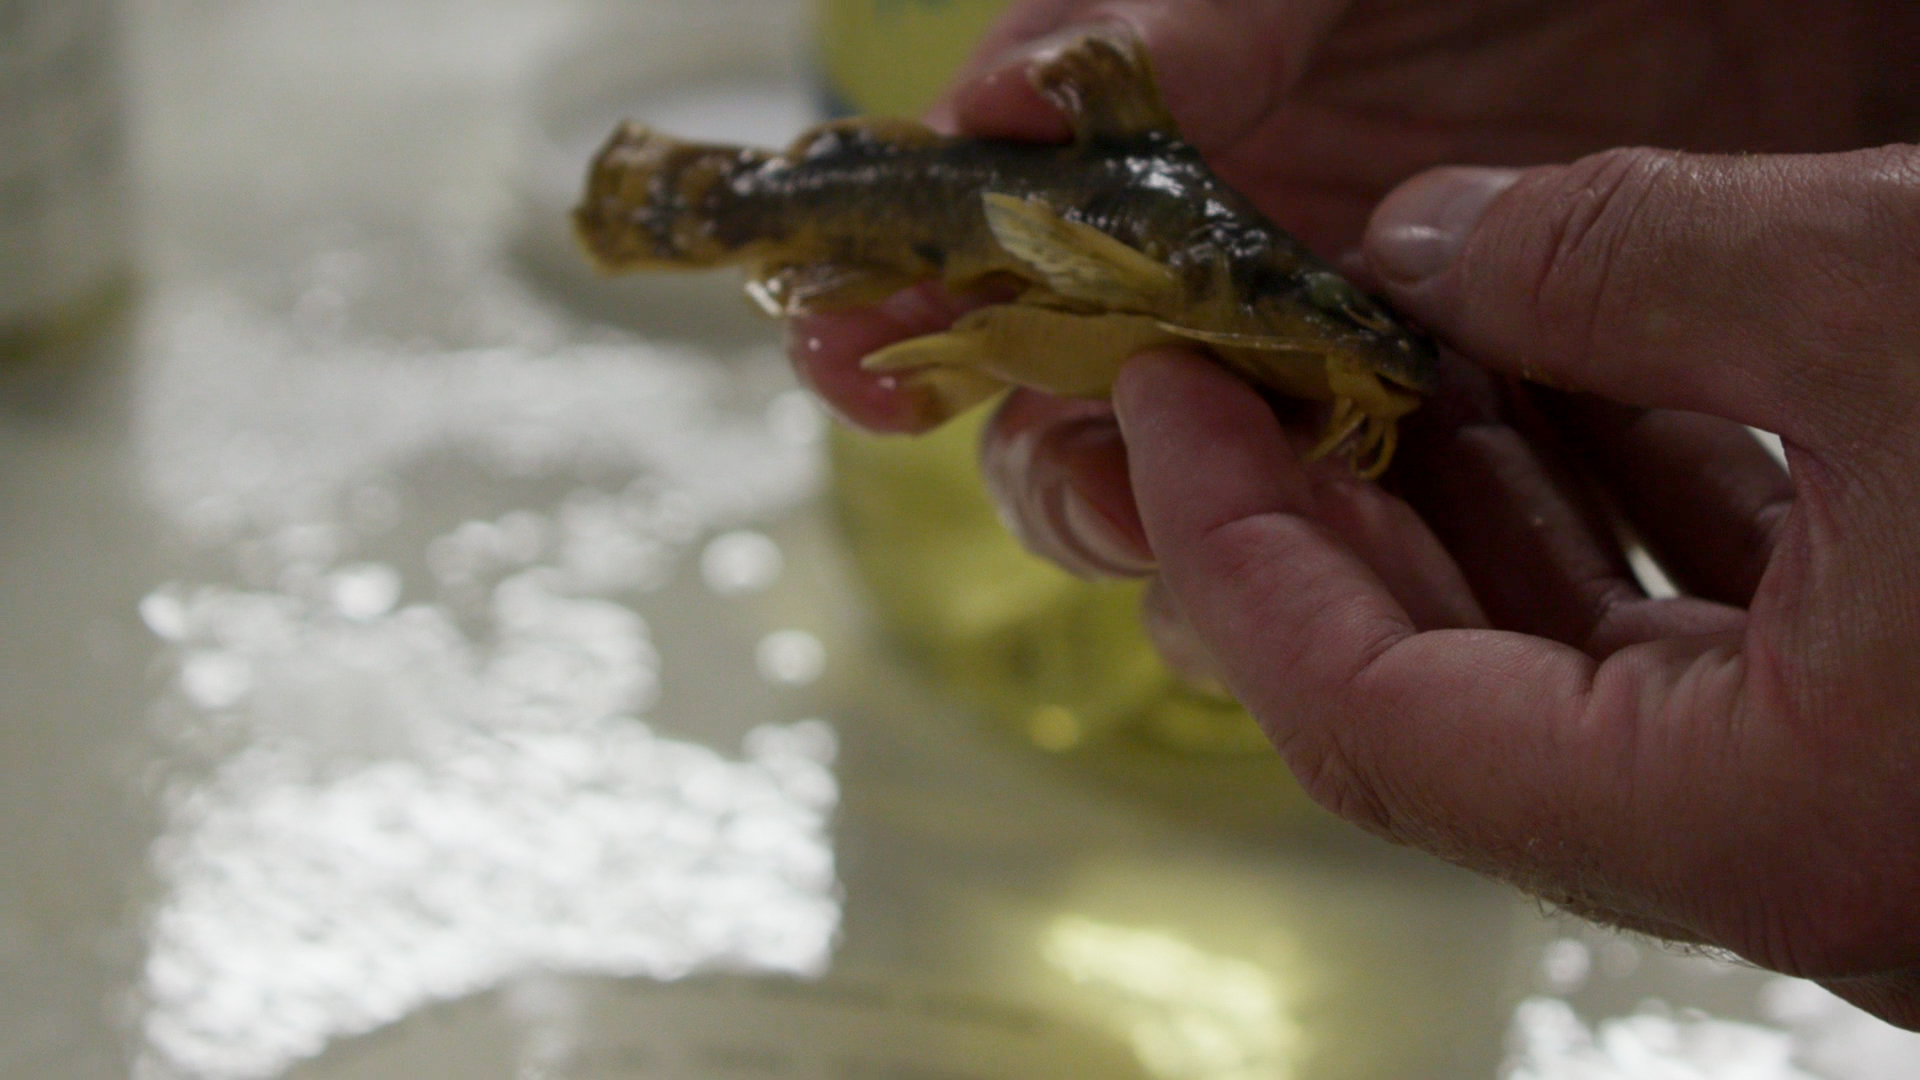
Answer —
1340 427
1059 352
1351 377
1077 261
1256 342
835 136
785 290
946 392
945 371
1103 81
948 349
1365 420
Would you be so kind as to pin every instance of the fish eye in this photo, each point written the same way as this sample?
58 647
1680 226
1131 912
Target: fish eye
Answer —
1333 293
1329 291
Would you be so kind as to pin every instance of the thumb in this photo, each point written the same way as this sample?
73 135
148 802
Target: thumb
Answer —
1221 67
1779 291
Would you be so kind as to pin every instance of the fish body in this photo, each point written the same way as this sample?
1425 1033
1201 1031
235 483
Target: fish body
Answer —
1118 241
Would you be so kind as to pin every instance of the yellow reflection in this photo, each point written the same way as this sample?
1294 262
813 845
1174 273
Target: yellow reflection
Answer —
1190 1014
1056 728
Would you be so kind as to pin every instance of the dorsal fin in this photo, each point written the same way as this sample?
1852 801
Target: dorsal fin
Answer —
1104 83
1076 260
836 136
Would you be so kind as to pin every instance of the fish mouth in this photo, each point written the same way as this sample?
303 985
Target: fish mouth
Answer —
1405 356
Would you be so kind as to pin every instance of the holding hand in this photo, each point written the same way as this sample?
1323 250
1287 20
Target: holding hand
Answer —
1462 660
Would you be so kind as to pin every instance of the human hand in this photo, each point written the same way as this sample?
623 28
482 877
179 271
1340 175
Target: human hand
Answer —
1465 662
1738 767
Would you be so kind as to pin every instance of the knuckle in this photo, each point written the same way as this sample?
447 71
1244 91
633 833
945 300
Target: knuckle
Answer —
1893 193
1327 774
1854 294
1597 209
1837 931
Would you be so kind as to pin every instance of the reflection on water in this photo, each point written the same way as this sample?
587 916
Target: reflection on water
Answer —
1189 1014
248 425
304 906
396 815
408 765
742 561
1651 1044
406 816
418 727
1790 1029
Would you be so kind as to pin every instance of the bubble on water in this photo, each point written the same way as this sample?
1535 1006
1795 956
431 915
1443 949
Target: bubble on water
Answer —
215 678
790 657
808 740
1565 965
741 561
364 591
165 615
795 419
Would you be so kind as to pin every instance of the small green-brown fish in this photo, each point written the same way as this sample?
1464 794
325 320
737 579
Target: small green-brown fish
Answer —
1121 240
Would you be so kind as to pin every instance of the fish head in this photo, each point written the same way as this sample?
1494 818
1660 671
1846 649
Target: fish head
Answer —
1364 327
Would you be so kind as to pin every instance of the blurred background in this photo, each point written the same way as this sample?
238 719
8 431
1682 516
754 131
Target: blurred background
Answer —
421 657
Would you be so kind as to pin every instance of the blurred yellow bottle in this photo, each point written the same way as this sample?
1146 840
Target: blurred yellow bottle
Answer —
893 56
1063 662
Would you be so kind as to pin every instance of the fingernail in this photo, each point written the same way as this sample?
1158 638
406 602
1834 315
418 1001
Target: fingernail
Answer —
1098 541
1423 225
1019 58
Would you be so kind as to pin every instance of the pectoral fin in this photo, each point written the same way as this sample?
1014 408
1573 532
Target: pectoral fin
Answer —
945 369
1104 83
1258 342
1059 352
1076 260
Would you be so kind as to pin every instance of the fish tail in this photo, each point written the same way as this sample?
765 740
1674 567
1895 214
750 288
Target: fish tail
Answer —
651 201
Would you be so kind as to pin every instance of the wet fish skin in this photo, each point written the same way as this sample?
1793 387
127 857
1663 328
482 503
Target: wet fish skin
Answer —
880 206
1126 224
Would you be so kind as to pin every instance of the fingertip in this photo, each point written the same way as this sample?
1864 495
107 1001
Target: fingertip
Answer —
827 349
1056 469
1420 228
1003 104
1153 376
1201 437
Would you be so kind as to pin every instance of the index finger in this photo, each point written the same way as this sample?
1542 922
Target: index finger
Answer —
1509 753
826 350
